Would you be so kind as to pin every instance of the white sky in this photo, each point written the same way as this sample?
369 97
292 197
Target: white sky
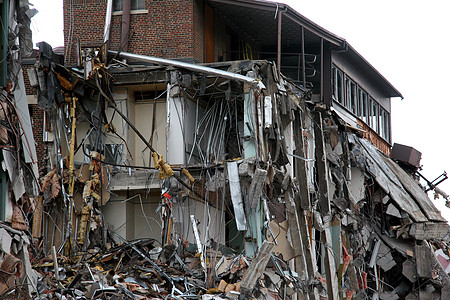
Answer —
405 40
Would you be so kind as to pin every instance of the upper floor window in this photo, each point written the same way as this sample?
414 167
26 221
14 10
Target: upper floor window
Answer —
135 5
355 99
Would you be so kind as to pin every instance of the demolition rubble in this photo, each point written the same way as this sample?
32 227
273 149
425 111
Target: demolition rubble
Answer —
219 181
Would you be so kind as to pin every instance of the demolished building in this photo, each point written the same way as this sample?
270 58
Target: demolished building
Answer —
262 172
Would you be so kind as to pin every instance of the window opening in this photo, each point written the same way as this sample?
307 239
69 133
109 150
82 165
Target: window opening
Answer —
135 5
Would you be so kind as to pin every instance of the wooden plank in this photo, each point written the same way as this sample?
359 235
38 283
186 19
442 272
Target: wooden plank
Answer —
256 187
413 188
297 243
322 167
255 270
300 170
37 218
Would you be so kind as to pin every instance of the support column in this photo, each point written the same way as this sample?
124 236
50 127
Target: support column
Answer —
280 16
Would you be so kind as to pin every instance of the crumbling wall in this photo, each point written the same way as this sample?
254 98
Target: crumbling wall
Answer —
264 194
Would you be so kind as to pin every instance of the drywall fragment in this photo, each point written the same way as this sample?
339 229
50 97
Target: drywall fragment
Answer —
256 187
5 241
236 197
356 185
283 246
255 270
376 248
267 112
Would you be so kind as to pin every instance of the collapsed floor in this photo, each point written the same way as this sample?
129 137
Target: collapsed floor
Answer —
265 193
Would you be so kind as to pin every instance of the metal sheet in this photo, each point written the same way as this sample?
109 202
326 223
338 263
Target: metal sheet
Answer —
236 196
20 98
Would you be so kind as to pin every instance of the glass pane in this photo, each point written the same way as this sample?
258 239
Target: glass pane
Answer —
365 108
354 99
347 93
118 5
374 115
333 82
137 4
340 87
387 129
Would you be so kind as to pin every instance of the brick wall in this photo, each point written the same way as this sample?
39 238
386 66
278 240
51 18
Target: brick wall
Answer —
84 20
170 29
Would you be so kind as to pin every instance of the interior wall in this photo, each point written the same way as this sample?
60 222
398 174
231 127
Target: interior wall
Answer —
143 113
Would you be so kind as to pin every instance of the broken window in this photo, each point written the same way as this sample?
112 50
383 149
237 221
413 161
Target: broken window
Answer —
365 107
352 100
135 5
355 99
374 115
340 86
384 124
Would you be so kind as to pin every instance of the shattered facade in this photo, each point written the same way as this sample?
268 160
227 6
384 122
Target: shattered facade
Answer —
264 172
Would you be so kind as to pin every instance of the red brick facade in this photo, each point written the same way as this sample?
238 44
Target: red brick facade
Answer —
170 28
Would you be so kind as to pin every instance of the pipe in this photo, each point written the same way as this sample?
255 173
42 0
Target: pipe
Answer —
192 67
109 7
125 33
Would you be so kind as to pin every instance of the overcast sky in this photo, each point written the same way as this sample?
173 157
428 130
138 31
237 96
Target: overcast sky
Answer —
408 41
